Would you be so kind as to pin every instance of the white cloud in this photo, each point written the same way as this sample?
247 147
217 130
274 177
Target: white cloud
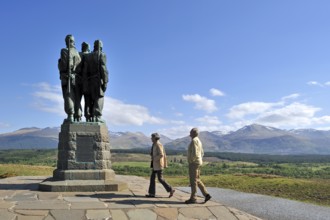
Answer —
249 108
282 114
201 103
327 83
178 114
295 114
49 99
4 125
216 92
292 96
209 120
120 113
322 120
177 131
175 122
314 83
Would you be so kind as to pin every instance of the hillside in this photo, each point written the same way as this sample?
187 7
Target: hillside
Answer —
249 139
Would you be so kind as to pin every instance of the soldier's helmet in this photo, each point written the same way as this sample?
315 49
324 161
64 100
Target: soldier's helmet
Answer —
69 39
98 44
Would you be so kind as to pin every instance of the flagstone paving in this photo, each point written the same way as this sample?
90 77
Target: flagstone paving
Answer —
21 200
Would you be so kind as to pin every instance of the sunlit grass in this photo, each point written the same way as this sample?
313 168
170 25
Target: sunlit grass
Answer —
315 191
133 164
8 170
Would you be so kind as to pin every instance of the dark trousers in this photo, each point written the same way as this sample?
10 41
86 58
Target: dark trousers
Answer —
152 185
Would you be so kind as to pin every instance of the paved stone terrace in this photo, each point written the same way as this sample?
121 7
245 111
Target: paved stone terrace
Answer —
21 200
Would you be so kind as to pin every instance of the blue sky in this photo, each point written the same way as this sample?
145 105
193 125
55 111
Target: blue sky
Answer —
174 64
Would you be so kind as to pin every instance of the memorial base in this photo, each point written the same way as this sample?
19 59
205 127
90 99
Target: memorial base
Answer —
83 162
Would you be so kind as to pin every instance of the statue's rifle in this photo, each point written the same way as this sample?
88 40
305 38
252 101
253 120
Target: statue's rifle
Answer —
99 63
69 69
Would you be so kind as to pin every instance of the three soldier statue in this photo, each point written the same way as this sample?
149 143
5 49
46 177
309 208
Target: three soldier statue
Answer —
83 74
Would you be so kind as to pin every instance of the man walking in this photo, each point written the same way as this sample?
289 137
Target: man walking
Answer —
195 154
158 163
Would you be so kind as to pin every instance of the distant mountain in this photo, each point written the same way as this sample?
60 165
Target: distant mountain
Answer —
249 139
27 138
128 140
262 140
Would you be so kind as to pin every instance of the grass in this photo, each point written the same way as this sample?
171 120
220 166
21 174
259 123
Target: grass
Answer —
8 170
133 164
315 191
303 181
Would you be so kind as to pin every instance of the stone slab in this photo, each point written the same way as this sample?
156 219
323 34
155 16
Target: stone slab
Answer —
118 215
6 205
87 205
197 212
41 205
68 214
120 205
80 199
82 186
23 196
138 214
106 174
222 212
98 214
167 213
4 214
23 217
32 212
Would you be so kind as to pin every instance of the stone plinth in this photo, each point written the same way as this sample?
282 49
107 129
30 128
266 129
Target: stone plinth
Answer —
83 162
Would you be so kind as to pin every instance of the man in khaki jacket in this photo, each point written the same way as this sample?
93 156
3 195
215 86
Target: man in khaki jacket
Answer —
195 154
158 163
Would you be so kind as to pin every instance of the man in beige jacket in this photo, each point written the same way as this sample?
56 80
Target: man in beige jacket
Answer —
158 163
195 154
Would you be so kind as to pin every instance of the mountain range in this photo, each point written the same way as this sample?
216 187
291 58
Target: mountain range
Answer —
253 138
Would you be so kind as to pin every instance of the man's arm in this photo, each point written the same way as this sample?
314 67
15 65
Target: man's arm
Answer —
159 152
193 151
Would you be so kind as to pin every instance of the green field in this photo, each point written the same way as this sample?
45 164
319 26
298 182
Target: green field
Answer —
286 177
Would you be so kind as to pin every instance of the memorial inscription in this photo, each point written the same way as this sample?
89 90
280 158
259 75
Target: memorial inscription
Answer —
85 152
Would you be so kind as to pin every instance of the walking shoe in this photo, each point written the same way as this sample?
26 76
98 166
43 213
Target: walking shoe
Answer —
190 201
150 195
207 197
171 193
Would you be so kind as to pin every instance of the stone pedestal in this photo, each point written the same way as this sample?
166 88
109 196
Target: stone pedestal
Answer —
83 162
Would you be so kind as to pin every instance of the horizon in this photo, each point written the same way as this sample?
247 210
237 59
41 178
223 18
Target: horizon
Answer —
223 132
215 65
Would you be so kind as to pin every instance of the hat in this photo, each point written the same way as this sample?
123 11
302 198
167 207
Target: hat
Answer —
155 135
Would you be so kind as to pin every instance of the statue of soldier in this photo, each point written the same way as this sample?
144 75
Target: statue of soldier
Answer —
81 84
97 74
67 65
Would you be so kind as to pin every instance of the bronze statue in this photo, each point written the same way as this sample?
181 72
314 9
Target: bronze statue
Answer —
67 65
81 85
96 73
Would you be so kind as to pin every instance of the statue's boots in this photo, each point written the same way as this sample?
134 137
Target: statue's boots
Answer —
70 118
99 119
